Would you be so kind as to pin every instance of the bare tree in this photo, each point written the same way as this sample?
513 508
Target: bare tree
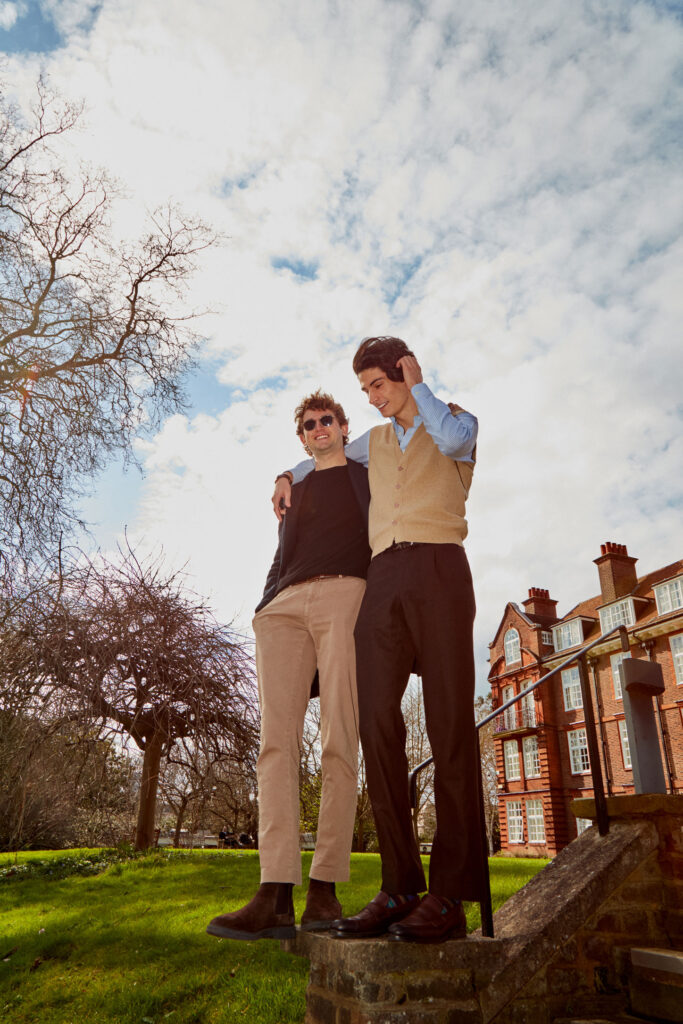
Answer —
482 707
418 750
205 787
127 646
93 337
364 827
60 786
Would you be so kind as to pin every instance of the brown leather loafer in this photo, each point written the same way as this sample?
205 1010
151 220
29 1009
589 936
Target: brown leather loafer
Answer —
375 918
432 921
259 919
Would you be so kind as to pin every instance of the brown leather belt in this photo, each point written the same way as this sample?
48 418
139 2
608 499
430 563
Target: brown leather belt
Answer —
314 579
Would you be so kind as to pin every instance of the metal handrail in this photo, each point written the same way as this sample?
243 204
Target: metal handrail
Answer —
591 736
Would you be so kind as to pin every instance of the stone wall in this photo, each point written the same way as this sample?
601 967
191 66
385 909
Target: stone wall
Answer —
561 944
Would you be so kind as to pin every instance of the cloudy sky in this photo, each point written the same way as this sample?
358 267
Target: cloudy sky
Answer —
499 183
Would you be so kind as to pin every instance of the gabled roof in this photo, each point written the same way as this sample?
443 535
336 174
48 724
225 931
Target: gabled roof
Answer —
643 589
518 611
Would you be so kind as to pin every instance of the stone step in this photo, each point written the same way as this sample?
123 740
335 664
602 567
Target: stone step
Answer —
617 1018
656 983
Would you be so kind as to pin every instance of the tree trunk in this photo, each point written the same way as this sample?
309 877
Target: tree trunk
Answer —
144 836
179 821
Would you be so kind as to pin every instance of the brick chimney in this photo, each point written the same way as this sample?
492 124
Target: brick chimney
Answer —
540 604
617 571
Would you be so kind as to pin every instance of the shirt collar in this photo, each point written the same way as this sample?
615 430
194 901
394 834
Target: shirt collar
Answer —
417 420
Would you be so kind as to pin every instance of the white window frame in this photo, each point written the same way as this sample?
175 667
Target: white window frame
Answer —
625 746
571 689
669 595
532 757
619 613
511 644
567 634
515 821
511 758
528 708
676 645
617 677
579 759
510 714
546 637
535 822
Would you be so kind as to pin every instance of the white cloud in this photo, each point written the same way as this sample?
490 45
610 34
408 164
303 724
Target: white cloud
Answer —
10 13
500 184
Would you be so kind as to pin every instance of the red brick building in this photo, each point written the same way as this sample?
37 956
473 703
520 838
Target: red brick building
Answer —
542 760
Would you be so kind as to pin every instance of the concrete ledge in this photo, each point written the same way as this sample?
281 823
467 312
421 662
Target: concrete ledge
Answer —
543 916
656 984
669 960
631 806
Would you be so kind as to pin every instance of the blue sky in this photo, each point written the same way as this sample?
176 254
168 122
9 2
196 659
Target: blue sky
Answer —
499 184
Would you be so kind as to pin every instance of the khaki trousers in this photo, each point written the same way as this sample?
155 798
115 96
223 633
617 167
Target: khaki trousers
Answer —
307 625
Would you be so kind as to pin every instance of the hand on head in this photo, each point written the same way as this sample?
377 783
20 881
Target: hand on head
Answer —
412 374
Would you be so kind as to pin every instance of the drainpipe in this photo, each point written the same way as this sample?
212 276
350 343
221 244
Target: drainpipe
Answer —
603 743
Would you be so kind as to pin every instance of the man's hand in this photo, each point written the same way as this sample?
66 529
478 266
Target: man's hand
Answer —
412 374
282 497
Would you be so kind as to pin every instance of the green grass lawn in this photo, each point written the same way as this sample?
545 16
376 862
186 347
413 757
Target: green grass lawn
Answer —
127 945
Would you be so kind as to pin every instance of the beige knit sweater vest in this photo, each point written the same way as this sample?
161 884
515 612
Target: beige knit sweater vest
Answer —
416 495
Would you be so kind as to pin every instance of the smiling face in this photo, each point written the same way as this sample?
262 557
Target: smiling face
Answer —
390 397
322 438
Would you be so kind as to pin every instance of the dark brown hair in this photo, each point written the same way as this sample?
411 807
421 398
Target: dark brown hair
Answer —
383 352
318 402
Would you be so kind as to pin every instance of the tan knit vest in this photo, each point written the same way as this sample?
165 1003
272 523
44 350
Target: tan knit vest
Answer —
416 495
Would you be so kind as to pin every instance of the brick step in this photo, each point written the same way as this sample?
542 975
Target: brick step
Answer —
324 1007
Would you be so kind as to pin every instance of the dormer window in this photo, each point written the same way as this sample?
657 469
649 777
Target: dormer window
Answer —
547 637
567 634
512 651
669 595
620 613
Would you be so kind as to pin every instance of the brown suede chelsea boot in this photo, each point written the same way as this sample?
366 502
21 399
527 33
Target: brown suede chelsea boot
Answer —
322 906
269 915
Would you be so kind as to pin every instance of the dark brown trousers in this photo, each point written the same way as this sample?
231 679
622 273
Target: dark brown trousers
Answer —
419 608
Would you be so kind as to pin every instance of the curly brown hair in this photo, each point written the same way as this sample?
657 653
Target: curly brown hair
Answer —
318 402
383 352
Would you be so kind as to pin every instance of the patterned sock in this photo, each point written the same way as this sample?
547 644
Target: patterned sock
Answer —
447 903
396 899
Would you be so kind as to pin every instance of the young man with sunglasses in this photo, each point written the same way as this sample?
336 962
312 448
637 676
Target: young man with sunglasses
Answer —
304 629
417 615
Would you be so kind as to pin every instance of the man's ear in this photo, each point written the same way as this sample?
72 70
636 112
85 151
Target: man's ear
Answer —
345 429
301 438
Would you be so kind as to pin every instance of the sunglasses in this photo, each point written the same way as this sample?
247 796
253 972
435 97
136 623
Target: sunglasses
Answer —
325 421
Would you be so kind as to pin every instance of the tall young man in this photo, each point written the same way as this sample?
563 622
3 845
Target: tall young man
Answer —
305 622
417 615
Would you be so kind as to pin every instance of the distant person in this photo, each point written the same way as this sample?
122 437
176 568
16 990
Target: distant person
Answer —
305 623
417 614
222 838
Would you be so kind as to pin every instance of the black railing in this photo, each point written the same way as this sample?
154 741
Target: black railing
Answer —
593 752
